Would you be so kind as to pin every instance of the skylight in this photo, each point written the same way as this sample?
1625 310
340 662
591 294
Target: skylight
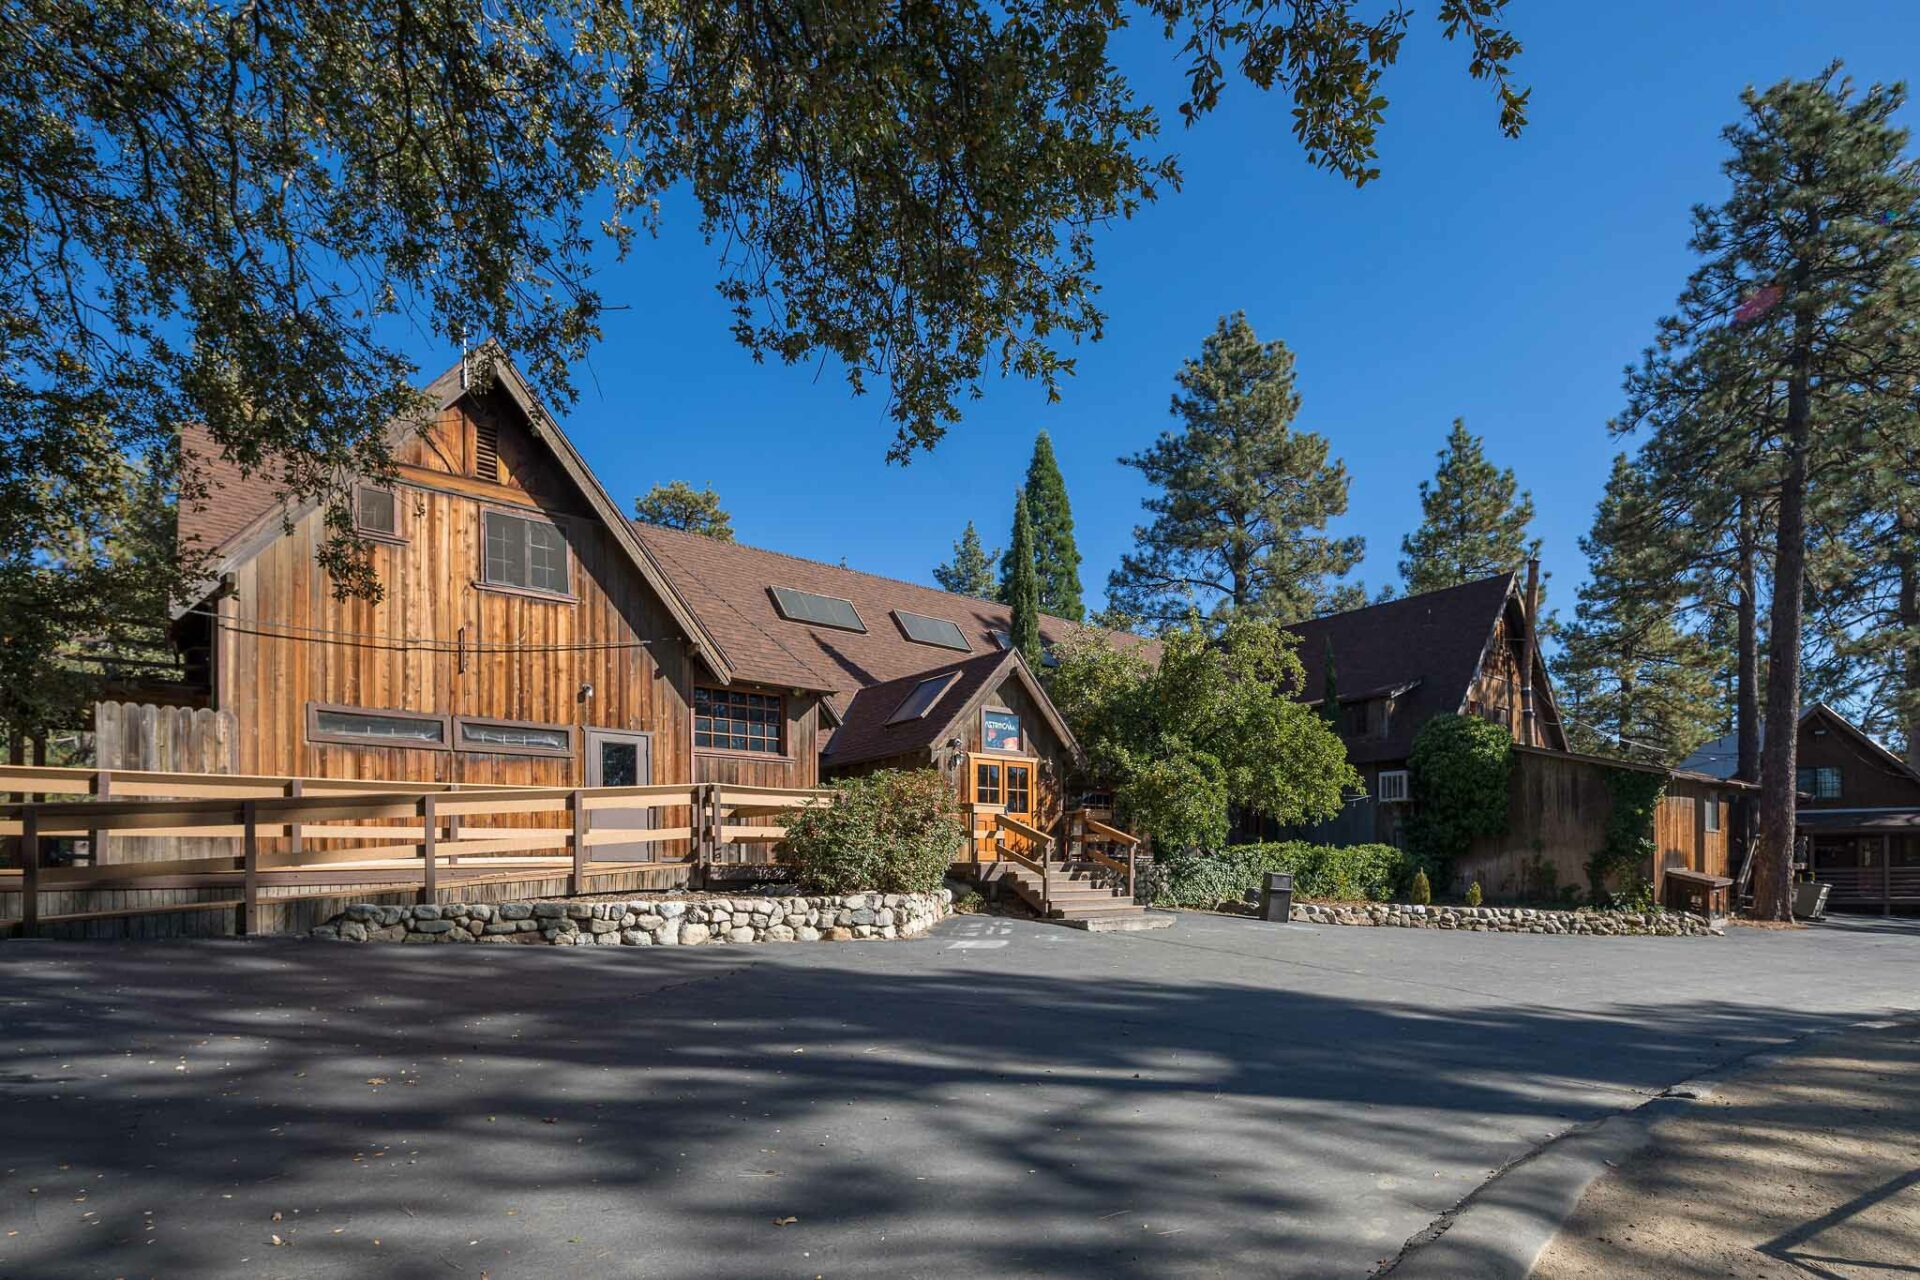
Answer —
822 611
922 699
934 631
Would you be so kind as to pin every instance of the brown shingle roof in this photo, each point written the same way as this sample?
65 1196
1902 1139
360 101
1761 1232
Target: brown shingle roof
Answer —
233 497
727 584
1430 645
865 734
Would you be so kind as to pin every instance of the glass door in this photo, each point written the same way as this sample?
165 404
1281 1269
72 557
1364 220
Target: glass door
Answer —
617 759
1003 784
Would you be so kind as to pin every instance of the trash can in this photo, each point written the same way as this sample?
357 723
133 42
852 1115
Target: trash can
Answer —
1276 897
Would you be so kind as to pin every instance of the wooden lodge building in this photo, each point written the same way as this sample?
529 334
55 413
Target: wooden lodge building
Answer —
1472 650
1858 816
531 635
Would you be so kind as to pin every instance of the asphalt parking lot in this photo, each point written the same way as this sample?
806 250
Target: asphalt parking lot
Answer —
1003 1098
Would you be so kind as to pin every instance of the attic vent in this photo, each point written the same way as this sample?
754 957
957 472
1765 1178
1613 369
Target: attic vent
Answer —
486 449
935 631
921 700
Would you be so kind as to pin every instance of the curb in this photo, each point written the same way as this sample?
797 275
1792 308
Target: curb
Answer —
1501 1228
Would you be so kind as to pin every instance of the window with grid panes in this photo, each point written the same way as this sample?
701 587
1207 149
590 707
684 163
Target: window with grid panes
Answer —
737 720
525 553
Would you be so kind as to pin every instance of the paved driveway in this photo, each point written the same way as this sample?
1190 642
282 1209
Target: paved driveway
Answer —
1001 1099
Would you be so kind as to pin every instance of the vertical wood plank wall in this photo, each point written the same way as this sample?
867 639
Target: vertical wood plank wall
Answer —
167 739
439 642
1559 806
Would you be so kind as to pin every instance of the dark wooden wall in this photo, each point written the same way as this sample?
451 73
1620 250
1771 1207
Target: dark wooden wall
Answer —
1867 779
1558 811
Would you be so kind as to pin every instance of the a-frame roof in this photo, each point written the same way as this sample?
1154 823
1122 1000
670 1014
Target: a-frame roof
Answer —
868 730
1425 649
242 511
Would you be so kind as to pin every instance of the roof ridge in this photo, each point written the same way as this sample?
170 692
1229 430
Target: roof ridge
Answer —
1418 595
862 573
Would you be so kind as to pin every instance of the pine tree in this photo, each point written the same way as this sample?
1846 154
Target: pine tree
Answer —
1637 685
1800 315
970 572
1474 520
1055 556
1023 588
1244 500
679 505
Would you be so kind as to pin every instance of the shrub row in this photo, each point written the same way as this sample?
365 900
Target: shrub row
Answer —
1348 873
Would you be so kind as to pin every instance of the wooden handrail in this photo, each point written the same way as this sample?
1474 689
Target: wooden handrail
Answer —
1112 833
1003 824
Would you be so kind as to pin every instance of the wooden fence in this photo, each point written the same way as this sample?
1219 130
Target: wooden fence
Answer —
317 840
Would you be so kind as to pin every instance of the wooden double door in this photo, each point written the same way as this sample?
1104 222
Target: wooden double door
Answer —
1003 784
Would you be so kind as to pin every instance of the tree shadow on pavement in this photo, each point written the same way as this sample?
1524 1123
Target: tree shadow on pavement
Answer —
531 1111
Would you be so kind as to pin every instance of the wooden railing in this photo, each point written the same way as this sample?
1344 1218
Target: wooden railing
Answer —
340 835
1085 832
1885 883
1036 839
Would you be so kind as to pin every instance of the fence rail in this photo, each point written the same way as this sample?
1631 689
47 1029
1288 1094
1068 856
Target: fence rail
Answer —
331 836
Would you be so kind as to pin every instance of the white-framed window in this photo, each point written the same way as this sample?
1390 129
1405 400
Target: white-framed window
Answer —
1394 787
1712 815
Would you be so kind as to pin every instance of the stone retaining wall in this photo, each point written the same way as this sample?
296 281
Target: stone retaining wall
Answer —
647 922
1507 920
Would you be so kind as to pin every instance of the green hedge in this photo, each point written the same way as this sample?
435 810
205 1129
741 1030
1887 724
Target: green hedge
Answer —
894 831
1374 872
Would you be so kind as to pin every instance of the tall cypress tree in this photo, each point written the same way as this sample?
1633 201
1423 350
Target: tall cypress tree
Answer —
1474 520
1056 558
970 572
1800 313
1244 499
1023 586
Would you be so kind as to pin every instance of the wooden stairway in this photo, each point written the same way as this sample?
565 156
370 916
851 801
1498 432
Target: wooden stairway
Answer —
1079 887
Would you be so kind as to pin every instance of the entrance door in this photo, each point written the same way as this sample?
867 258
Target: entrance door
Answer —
618 759
1005 784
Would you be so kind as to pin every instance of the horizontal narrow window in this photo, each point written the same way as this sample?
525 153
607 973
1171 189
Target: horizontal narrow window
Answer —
738 720
376 728
525 553
824 611
935 631
513 737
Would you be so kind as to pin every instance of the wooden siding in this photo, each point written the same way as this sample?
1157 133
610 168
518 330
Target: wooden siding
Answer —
1052 776
1056 764
1867 778
1558 809
439 642
798 766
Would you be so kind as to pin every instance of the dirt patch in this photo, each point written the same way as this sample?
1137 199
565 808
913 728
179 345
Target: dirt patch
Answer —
1809 1168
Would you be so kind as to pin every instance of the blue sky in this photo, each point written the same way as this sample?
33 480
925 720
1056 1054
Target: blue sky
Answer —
1508 282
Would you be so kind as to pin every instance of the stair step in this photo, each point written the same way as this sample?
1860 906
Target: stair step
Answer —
1077 912
1121 924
